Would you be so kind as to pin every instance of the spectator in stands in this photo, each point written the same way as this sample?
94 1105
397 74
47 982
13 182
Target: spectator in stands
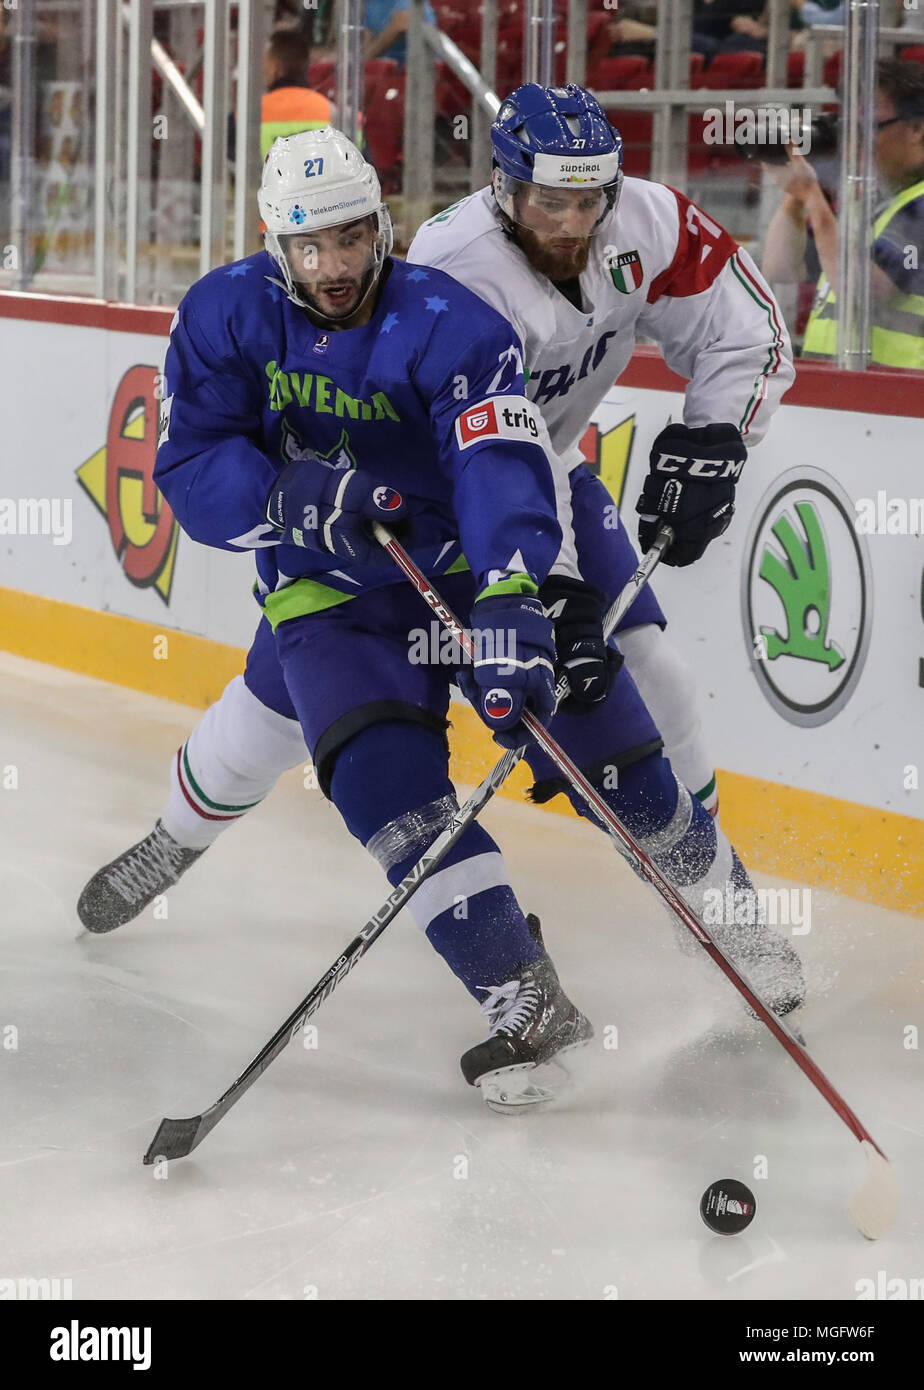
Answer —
289 103
386 25
803 14
802 236
315 22
632 32
723 26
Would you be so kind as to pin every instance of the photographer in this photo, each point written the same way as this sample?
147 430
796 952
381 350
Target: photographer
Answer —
802 236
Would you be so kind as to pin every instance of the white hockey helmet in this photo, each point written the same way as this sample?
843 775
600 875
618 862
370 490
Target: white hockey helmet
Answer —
315 179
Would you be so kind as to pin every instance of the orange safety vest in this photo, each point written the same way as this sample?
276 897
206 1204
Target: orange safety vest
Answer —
286 110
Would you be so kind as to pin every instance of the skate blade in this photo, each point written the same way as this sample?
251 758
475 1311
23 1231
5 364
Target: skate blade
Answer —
510 1090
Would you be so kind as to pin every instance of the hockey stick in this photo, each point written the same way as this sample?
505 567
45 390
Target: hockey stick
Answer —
873 1206
177 1138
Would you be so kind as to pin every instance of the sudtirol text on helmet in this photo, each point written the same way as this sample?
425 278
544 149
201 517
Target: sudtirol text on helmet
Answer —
555 137
313 180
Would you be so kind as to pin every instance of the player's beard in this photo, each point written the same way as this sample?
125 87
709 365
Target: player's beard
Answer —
557 263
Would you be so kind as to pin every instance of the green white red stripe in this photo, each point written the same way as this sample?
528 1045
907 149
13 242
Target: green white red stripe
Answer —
775 348
200 803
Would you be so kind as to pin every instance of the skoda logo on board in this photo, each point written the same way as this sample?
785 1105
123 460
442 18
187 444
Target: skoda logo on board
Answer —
806 597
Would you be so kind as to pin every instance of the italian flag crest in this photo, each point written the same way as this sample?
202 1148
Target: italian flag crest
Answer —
626 270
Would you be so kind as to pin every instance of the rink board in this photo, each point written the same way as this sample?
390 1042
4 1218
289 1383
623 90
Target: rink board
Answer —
803 633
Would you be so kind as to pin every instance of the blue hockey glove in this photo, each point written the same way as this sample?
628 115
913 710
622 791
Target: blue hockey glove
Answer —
330 509
691 486
514 660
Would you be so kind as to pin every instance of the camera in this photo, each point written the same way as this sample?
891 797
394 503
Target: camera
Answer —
817 137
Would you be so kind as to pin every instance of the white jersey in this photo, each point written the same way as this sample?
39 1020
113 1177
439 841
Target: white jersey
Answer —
659 268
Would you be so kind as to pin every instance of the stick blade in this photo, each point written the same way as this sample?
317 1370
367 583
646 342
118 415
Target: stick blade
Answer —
874 1206
175 1139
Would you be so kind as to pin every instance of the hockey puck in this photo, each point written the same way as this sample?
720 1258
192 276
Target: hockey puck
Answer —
727 1206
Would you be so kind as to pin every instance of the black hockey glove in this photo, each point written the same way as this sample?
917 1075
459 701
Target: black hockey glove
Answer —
691 486
578 611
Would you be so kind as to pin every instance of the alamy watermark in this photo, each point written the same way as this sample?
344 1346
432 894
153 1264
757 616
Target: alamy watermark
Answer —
747 907
882 1287
732 124
37 516
26 1289
78 1342
436 646
889 516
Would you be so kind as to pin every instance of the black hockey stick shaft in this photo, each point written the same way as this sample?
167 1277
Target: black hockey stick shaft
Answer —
177 1138
611 822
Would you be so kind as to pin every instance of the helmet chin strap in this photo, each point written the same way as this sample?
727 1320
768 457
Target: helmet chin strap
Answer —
372 274
291 293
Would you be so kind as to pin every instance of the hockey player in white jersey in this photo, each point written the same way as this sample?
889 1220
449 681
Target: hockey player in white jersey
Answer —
584 261
577 332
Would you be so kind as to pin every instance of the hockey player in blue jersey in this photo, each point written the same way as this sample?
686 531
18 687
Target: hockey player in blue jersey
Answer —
320 384
313 387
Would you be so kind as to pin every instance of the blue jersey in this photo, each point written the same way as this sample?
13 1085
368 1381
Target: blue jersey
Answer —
428 396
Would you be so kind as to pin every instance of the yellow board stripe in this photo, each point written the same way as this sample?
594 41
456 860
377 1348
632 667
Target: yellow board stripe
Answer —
125 651
876 856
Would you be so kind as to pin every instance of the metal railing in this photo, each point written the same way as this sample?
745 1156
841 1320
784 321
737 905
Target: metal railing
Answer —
126 249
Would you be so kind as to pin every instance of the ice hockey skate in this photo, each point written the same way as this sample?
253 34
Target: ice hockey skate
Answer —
768 961
119 891
532 1021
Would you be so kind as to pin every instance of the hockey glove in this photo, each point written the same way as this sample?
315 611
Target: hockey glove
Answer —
578 611
514 662
330 509
691 486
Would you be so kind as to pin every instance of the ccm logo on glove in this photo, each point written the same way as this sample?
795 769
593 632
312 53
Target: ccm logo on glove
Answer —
498 417
699 468
691 485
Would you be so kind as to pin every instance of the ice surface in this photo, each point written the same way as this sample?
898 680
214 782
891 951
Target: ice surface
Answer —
365 1167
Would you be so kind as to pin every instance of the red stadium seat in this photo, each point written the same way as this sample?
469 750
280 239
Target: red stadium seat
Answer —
452 97
697 63
466 34
620 75
635 127
447 12
913 55
701 156
509 58
732 70
598 39
382 70
384 128
323 77
509 73
795 69
832 69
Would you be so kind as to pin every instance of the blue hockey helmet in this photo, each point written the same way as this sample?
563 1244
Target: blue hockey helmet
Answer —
555 137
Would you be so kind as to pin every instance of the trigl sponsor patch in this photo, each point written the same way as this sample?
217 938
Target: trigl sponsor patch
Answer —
499 417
